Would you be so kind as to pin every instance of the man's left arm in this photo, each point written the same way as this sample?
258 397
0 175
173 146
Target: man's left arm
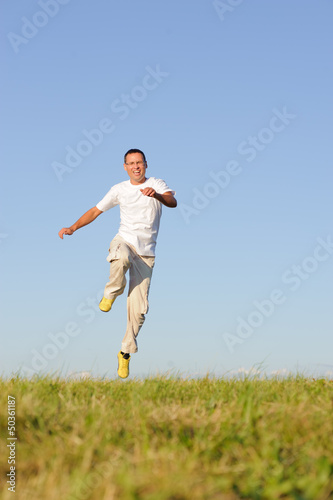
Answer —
167 198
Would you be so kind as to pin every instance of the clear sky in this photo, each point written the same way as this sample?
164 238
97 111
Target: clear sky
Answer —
232 103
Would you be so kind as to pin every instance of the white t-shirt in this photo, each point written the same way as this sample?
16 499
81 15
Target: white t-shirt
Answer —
139 214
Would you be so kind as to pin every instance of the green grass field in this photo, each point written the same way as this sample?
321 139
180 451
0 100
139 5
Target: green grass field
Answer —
166 438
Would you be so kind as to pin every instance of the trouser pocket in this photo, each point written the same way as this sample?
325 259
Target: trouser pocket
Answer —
114 250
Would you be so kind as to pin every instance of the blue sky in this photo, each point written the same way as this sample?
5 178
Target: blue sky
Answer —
232 103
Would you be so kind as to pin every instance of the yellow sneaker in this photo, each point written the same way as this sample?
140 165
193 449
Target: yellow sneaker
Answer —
123 366
105 304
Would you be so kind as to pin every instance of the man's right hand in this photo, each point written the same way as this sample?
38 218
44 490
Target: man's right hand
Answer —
65 230
83 221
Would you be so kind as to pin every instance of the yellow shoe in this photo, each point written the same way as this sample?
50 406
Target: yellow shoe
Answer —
105 304
123 366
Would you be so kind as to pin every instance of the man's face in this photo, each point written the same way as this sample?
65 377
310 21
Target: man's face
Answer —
136 168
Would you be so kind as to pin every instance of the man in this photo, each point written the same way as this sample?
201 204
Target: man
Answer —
133 248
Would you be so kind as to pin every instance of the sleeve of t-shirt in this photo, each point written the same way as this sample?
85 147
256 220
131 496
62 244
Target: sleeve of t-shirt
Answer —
161 187
110 200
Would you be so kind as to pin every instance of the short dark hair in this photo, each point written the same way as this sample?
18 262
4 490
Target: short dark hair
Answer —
131 151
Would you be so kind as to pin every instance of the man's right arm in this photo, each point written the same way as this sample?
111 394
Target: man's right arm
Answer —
86 218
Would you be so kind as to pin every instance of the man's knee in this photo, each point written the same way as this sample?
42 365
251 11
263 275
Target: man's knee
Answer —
140 315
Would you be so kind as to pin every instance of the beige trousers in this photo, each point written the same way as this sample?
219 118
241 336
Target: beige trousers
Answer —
123 257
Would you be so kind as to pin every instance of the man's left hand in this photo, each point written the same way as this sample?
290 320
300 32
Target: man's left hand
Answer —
148 192
166 198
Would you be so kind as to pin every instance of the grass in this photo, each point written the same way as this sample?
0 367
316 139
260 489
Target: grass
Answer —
165 438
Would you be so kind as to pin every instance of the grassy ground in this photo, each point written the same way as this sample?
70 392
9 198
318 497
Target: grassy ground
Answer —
166 438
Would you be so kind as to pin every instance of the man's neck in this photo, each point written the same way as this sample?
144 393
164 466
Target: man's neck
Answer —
138 183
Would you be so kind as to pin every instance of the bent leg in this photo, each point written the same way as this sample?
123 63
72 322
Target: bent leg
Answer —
120 260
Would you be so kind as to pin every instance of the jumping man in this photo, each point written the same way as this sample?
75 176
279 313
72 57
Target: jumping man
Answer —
133 248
